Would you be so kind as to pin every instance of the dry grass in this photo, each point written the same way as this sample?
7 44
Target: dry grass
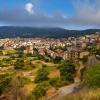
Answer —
4 57
55 73
39 62
29 88
84 95
9 51
50 92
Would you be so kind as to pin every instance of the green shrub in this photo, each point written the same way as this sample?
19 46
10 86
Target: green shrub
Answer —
55 82
19 64
44 65
42 75
4 81
31 97
67 71
84 59
40 90
57 59
67 77
5 62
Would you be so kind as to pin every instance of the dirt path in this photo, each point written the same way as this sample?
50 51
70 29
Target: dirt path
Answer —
63 91
66 90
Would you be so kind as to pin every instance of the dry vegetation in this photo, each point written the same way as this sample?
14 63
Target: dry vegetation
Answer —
84 95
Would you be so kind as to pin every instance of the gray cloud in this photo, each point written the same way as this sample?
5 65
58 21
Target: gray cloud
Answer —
22 18
87 14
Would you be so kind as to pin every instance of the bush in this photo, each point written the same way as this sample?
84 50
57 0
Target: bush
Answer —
4 81
98 52
31 97
67 71
40 90
55 82
21 55
46 60
67 77
57 59
5 62
42 75
44 65
84 59
19 64
93 50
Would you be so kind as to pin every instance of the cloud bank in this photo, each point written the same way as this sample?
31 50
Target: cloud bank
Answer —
87 15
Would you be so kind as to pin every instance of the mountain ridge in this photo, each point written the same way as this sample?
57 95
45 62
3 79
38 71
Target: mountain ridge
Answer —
42 32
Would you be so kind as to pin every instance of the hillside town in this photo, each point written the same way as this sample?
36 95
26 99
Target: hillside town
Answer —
67 48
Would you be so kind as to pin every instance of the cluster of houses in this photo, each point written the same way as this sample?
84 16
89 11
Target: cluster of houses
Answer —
67 48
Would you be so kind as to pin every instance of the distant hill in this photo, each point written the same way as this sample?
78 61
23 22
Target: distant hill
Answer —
29 32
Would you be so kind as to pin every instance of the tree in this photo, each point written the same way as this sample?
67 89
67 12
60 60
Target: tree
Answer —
40 90
92 50
55 82
42 75
19 64
67 71
46 59
57 59
98 52
84 59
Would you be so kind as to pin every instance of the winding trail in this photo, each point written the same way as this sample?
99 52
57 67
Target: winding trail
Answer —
63 91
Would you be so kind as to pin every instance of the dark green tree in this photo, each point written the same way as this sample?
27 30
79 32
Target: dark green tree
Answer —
67 71
57 59
19 64
55 82
42 75
40 90
84 59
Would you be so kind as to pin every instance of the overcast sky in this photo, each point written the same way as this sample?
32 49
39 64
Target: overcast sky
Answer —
69 14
